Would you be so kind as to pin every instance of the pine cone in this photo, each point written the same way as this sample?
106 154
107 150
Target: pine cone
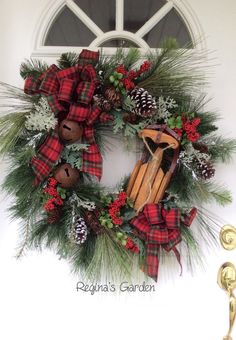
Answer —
129 117
113 96
145 103
102 102
79 231
205 170
203 148
92 221
54 216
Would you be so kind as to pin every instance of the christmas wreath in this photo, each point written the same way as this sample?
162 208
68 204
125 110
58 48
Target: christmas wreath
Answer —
55 132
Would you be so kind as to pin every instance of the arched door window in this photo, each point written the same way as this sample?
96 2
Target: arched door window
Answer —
115 23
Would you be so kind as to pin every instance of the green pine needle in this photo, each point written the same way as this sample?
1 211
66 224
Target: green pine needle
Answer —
11 128
131 58
177 73
108 64
67 60
192 190
208 123
32 68
110 262
221 149
13 99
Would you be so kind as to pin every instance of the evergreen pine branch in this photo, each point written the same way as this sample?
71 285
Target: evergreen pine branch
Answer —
207 191
131 58
11 128
54 236
196 104
19 183
108 64
156 58
25 233
208 123
190 249
220 194
82 256
104 137
188 238
176 73
13 99
67 60
111 261
32 68
208 227
192 190
90 192
221 149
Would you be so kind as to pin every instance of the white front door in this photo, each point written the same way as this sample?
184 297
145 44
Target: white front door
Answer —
38 296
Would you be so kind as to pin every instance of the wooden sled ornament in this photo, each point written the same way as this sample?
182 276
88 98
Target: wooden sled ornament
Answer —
148 182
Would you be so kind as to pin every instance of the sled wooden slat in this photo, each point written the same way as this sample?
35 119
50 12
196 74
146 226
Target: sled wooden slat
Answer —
163 187
148 179
156 185
138 181
133 177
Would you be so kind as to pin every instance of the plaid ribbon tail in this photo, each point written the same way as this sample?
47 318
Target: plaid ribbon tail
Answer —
92 161
178 257
152 261
48 154
188 219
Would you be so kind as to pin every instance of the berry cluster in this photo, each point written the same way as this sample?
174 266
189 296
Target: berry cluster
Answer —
114 208
130 245
123 80
127 242
185 127
55 199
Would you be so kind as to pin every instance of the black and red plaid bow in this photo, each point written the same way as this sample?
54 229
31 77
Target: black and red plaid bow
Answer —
160 228
69 92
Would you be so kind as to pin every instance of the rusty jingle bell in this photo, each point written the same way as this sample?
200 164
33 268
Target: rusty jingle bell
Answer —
66 176
70 131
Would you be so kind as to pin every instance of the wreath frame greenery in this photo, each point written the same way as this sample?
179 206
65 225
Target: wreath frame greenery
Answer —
110 247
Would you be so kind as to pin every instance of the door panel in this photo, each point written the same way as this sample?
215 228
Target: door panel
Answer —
40 291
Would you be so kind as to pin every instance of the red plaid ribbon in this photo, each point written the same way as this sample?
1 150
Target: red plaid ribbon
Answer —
69 92
160 228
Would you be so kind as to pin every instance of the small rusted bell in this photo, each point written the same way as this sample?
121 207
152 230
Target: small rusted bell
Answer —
70 131
66 176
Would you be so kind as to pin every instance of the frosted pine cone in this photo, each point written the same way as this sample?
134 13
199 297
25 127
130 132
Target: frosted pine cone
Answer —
205 170
145 103
79 231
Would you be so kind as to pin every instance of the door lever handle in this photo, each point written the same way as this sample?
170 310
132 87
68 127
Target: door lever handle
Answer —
228 237
227 281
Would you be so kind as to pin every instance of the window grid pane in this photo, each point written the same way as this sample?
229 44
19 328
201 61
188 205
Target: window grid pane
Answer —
69 30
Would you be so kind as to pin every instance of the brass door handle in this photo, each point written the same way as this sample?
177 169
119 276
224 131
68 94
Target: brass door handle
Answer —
228 237
227 281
